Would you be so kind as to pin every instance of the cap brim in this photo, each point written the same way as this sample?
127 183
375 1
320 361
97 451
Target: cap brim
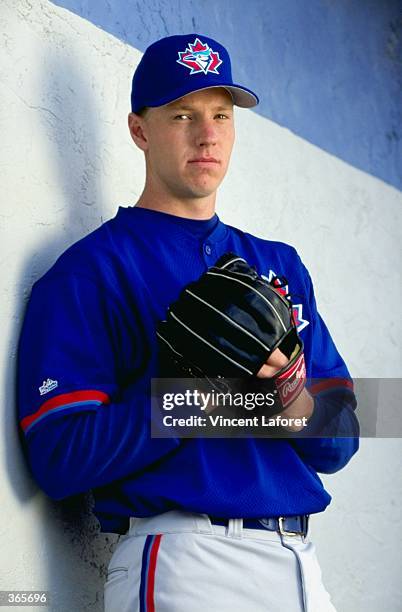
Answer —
241 96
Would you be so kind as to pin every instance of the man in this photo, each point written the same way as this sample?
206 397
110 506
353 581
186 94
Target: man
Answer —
206 524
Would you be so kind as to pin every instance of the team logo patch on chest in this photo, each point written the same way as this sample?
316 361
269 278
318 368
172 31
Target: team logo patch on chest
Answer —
199 57
297 308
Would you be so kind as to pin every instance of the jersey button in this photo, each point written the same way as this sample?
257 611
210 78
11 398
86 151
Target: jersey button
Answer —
207 249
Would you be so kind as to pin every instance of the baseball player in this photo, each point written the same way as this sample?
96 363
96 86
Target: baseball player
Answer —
205 523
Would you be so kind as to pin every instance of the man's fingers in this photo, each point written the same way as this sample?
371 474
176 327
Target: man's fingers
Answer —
267 371
276 361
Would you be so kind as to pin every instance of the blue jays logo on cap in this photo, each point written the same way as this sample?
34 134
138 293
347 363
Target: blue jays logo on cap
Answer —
200 58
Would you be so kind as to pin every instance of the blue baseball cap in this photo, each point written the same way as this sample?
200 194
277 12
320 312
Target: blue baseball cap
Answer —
175 66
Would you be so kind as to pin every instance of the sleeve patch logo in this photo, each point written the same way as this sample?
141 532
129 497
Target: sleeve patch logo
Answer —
297 308
47 386
198 57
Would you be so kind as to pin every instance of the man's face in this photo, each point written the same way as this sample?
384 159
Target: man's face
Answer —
189 142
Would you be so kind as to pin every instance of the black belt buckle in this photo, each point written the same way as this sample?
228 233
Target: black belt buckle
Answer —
304 526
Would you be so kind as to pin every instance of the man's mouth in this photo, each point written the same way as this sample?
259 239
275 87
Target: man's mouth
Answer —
204 160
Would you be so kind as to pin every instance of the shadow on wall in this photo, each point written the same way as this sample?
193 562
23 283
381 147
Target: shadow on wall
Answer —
77 555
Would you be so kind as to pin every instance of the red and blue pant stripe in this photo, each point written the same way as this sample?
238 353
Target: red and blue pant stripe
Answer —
147 586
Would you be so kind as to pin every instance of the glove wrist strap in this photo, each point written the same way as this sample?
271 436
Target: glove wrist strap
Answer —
290 383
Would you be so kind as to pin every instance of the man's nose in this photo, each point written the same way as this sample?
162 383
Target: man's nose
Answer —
206 133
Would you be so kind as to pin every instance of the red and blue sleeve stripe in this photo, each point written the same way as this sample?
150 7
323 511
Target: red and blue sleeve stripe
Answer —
326 384
64 401
147 586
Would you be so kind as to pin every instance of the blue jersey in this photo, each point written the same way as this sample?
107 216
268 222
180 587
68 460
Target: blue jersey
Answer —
88 352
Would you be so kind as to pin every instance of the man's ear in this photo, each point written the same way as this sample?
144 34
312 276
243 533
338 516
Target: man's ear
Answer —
137 127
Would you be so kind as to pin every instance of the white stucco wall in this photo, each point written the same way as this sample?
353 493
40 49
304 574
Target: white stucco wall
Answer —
66 163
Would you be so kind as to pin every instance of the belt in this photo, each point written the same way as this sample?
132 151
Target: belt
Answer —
285 525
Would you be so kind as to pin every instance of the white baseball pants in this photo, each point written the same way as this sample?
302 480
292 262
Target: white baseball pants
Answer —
180 562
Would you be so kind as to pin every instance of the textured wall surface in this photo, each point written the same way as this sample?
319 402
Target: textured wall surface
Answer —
67 162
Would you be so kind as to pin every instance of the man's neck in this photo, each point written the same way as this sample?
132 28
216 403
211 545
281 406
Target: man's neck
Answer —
188 208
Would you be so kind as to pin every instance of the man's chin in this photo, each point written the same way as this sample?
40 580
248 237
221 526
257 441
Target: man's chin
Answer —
201 193
203 189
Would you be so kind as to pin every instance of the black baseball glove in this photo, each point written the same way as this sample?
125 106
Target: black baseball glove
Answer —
225 325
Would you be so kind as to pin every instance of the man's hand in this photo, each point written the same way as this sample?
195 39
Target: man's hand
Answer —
303 405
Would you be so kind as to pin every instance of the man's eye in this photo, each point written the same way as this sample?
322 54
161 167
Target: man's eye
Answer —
222 116
182 117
